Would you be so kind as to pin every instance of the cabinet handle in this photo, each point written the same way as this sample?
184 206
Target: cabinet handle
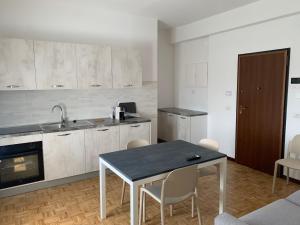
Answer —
183 118
135 126
57 86
128 85
61 135
12 86
103 130
95 85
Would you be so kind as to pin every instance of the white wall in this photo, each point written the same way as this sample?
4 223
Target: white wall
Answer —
80 21
224 49
165 69
257 12
185 53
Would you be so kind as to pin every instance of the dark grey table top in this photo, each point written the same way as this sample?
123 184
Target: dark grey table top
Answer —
148 161
182 112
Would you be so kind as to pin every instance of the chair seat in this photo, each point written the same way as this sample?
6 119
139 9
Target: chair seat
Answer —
291 163
155 192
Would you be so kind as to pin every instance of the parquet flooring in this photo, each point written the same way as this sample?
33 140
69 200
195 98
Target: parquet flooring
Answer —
77 203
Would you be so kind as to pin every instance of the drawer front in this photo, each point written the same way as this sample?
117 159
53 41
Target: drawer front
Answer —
132 132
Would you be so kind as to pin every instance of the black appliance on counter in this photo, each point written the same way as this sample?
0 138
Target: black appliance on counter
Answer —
21 164
129 109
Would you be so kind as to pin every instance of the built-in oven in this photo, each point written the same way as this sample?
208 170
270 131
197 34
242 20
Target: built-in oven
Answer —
21 164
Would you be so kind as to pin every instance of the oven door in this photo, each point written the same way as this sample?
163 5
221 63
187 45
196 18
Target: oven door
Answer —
21 164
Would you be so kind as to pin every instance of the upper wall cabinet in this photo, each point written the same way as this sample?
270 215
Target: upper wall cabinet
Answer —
55 65
126 68
16 64
94 66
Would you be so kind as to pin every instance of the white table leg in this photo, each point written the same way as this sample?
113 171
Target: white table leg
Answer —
133 204
223 175
102 185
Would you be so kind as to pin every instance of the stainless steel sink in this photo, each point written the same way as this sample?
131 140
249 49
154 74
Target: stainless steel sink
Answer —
69 125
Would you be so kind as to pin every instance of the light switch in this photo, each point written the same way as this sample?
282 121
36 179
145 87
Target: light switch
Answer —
228 93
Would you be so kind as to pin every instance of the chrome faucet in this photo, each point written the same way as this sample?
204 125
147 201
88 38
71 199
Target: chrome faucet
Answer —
62 115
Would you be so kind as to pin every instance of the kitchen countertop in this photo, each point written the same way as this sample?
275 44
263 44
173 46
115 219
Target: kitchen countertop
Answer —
182 112
38 128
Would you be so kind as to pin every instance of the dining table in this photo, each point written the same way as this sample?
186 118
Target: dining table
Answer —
144 165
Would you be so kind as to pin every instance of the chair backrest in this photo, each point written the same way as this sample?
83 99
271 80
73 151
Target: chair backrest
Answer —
180 184
137 143
294 145
210 144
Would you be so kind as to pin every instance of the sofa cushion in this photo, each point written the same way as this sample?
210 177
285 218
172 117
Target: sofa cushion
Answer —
227 219
295 198
280 212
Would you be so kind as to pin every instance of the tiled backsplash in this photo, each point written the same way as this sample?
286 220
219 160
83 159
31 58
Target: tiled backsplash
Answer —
29 107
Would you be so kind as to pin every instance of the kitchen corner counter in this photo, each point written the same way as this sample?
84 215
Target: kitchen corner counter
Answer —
182 112
16 131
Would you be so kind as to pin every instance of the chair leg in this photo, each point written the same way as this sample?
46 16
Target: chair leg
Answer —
141 207
198 211
274 177
162 215
287 175
196 198
193 205
171 210
123 192
144 207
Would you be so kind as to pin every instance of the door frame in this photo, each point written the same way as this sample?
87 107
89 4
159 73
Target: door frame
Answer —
285 97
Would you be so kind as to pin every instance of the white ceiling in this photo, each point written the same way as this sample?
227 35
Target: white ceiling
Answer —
172 13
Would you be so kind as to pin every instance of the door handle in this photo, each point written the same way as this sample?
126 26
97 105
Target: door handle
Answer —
242 108
103 130
95 85
61 135
135 126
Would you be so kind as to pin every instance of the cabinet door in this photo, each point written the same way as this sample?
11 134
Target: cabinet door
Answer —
64 154
16 64
163 126
126 68
119 67
94 66
130 132
134 68
171 127
99 141
55 65
183 128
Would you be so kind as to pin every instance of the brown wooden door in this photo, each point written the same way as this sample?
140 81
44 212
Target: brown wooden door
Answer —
262 79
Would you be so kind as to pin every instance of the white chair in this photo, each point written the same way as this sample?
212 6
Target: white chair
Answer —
289 163
133 144
179 185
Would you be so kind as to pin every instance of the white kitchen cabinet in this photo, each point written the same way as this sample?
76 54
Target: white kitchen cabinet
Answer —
130 132
167 124
126 67
55 65
94 66
183 129
16 64
134 68
64 154
99 141
176 127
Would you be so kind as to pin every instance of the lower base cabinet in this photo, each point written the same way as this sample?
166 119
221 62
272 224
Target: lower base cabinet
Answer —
63 154
99 141
176 127
130 132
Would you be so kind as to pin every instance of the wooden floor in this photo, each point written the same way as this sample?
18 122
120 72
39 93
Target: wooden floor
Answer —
77 203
